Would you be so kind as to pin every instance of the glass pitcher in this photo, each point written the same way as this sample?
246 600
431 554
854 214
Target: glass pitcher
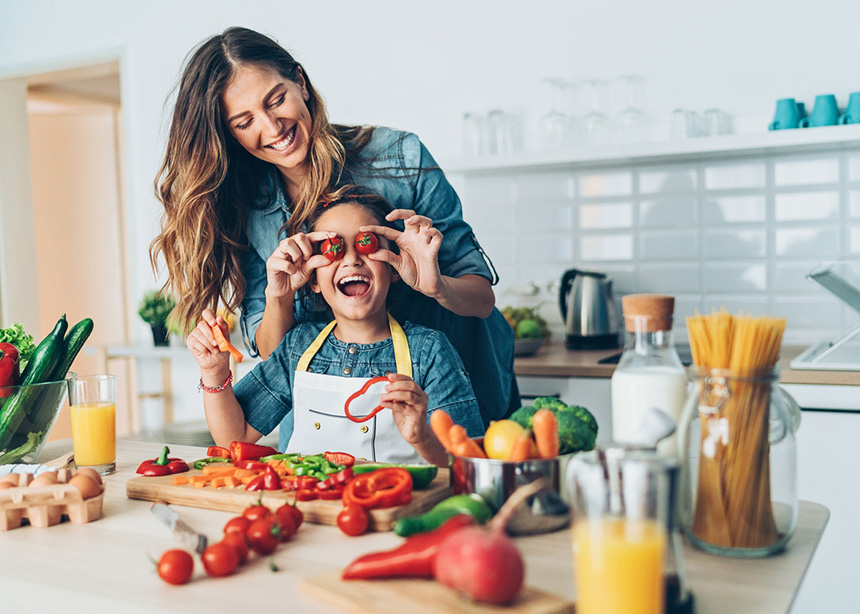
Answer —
739 463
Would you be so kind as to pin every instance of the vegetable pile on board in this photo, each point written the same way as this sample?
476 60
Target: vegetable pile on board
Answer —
26 413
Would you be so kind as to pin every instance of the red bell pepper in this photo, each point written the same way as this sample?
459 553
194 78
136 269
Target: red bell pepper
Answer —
340 458
271 479
250 464
336 479
242 450
361 391
412 559
306 494
9 368
381 488
218 451
256 483
162 465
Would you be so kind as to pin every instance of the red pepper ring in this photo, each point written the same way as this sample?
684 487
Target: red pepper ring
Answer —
381 488
352 397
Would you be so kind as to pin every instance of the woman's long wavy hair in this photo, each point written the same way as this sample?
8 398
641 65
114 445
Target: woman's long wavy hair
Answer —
207 181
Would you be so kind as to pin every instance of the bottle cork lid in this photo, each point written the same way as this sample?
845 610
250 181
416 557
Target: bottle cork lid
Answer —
647 312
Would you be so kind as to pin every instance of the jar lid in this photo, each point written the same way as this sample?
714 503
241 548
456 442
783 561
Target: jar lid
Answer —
647 312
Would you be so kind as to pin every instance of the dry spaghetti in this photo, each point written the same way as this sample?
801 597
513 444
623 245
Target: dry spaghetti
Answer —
736 356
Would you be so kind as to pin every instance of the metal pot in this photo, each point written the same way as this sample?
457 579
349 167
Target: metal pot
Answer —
496 480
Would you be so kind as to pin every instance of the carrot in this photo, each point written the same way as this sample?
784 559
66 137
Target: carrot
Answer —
462 445
522 447
218 470
179 480
200 480
243 473
441 424
217 482
545 426
231 481
224 344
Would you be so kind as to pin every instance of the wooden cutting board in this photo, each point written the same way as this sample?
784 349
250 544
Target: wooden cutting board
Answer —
416 596
162 488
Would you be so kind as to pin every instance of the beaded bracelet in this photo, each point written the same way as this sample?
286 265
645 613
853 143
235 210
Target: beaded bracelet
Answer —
205 388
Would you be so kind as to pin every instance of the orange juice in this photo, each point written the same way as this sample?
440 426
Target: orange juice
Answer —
619 566
94 433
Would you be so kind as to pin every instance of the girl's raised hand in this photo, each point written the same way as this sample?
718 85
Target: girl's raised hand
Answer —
291 264
419 243
408 405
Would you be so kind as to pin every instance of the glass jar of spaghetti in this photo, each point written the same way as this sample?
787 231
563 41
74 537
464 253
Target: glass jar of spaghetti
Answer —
739 469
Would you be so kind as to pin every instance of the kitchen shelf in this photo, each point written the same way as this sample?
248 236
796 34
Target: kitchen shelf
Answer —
808 140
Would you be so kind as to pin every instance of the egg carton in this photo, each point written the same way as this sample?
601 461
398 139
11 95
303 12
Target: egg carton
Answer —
45 506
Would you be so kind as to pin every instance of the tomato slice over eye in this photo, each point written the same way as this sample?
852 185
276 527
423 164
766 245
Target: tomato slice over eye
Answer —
333 248
366 243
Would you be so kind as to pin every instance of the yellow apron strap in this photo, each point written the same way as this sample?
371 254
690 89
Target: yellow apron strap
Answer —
401 347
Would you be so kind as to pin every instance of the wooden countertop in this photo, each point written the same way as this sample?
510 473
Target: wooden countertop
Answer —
104 566
554 360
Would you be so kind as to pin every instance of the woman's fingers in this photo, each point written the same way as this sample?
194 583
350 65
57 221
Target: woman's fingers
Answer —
399 214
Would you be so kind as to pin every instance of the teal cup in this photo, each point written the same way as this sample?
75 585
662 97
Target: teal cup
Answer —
801 109
825 112
787 115
852 111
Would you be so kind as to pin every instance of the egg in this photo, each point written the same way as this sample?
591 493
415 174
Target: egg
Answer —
49 478
10 478
86 485
92 473
5 485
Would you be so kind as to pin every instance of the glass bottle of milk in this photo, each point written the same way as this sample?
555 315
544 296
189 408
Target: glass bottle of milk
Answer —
649 372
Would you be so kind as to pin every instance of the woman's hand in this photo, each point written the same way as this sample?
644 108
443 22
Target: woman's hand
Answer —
419 243
201 343
291 264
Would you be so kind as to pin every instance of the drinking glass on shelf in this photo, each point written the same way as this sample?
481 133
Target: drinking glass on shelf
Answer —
555 125
595 122
632 122
473 134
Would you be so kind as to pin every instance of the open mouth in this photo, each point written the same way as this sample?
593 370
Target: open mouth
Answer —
354 285
285 142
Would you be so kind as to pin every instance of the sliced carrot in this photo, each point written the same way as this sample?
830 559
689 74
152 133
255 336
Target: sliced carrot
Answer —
224 344
198 479
215 470
198 484
246 479
217 482
179 480
243 473
231 481
462 444
441 424
521 449
545 426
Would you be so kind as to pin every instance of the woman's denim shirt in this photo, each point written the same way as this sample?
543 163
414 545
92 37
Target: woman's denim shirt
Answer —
402 170
266 393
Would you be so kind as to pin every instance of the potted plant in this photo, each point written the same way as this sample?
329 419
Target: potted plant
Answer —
154 310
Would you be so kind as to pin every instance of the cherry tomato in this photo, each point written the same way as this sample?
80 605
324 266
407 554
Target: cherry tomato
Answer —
220 559
333 249
176 567
256 512
366 243
238 524
298 515
264 536
239 543
353 520
286 521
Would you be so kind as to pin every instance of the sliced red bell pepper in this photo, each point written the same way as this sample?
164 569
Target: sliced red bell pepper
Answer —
162 465
250 464
361 391
218 451
306 494
257 483
340 458
242 450
9 368
336 479
412 559
381 488
271 479
332 494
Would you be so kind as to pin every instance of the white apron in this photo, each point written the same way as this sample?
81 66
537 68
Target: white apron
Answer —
320 420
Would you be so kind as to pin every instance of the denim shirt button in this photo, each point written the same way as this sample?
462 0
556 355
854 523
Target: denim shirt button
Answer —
347 370
352 349
387 373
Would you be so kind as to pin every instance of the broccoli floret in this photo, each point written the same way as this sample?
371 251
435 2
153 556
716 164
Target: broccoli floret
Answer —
524 415
553 403
583 414
577 428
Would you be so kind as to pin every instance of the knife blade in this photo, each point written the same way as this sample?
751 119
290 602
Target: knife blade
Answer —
181 530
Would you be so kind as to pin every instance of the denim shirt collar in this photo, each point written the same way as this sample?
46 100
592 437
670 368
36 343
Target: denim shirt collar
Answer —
272 198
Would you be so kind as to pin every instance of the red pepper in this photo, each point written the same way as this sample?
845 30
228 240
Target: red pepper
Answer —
256 483
289 483
332 494
271 479
242 450
412 559
336 479
340 458
381 488
250 464
355 395
306 494
9 368
162 465
218 451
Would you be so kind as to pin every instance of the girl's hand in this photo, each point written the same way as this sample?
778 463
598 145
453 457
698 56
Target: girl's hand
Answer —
203 347
419 243
408 405
291 264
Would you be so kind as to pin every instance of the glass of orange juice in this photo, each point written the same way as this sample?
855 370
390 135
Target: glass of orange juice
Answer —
622 499
92 400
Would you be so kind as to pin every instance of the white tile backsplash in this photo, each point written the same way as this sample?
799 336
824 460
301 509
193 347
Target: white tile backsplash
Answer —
741 234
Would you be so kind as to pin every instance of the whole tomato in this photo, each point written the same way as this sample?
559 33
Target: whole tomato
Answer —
353 520
257 511
220 559
366 243
298 516
239 524
287 522
264 536
333 248
176 567
239 543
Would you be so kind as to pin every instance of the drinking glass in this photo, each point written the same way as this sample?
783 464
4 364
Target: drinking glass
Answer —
632 122
555 125
92 405
595 122
473 135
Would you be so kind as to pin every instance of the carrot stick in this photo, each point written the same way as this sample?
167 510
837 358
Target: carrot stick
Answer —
441 424
522 447
462 445
224 344
178 480
545 426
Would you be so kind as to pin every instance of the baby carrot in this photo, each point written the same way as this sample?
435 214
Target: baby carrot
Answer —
462 445
545 427
521 449
441 424
224 344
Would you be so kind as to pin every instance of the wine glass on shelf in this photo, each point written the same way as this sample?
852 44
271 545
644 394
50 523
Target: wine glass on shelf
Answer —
632 122
595 123
555 125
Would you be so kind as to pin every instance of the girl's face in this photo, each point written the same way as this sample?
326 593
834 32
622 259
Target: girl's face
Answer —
267 115
355 287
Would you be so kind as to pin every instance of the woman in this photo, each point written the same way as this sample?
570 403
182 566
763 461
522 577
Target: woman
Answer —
251 154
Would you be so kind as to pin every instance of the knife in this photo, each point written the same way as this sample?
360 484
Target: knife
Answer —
181 530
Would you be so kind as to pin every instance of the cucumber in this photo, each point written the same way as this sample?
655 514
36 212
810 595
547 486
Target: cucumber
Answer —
72 344
42 363
422 475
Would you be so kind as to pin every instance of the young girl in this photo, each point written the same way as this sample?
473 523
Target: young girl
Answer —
316 367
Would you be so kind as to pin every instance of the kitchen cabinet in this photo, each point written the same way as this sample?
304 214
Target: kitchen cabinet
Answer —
590 392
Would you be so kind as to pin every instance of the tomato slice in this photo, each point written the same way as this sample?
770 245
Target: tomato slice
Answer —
340 458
